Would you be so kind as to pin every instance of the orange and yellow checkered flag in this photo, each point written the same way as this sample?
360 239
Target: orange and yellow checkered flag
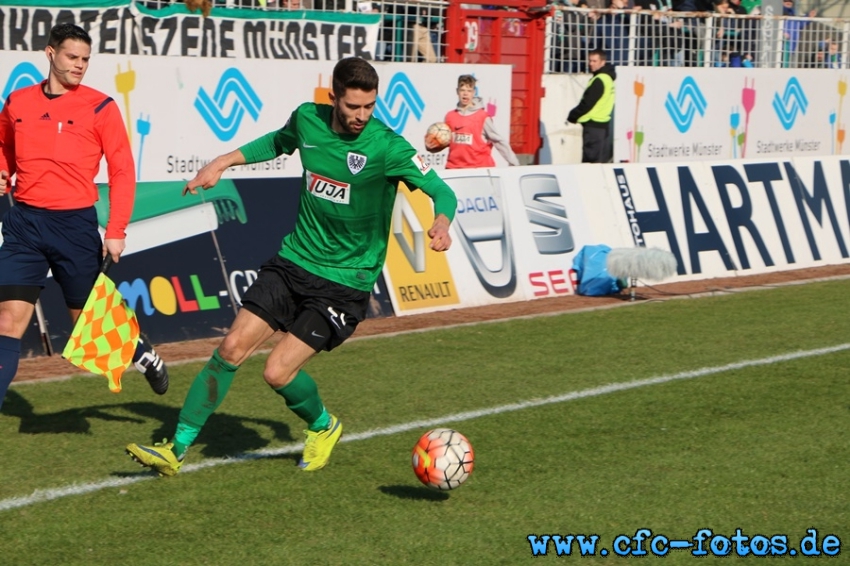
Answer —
105 336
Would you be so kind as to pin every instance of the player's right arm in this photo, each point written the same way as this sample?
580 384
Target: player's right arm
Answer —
264 148
209 174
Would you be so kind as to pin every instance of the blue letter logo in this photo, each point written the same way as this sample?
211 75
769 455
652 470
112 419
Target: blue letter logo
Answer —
689 101
401 99
24 74
223 116
792 101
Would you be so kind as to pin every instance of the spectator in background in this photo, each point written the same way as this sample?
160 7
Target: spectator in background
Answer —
748 32
792 30
736 8
594 110
753 7
329 5
473 132
406 33
571 39
689 29
662 37
422 35
647 30
612 31
725 36
827 55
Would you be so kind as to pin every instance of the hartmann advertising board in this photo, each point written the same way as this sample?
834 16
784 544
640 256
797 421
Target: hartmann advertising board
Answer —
732 218
695 114
181 113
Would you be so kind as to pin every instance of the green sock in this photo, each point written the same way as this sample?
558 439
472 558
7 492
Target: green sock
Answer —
302 397
204 396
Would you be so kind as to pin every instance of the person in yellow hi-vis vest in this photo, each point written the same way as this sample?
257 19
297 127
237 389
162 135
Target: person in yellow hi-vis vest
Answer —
594 110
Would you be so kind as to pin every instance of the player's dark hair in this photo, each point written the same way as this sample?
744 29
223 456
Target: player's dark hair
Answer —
61 32
354 72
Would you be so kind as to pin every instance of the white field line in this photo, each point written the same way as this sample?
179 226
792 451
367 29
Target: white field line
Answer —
42 495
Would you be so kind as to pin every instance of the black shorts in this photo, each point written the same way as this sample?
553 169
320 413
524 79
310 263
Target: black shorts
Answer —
317 311
35 240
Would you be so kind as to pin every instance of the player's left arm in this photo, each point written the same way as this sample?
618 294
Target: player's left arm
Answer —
445 205
499 142
404 162
121 169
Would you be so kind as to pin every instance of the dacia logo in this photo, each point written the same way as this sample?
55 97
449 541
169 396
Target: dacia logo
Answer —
24 74
793 101
399 103
223 112
687 103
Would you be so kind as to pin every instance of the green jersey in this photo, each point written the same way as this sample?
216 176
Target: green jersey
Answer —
348 191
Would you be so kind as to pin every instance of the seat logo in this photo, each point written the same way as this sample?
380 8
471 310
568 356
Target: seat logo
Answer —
793 101
223 112
687 103
399 102
24 74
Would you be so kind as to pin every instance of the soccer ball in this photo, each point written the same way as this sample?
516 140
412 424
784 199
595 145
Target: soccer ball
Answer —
442 459
438 137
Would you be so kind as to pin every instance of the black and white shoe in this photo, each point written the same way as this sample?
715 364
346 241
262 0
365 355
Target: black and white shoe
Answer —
148 362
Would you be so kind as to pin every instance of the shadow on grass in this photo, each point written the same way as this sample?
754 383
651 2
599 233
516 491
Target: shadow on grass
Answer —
223 434
69 421
413 492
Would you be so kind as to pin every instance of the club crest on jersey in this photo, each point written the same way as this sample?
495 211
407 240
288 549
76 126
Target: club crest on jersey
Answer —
356 162
328 189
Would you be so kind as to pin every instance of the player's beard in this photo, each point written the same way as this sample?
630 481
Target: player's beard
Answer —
343 122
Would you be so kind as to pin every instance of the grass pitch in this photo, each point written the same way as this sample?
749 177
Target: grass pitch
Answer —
716 444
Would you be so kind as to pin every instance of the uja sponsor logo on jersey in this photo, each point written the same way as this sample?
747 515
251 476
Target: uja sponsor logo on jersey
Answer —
328 189
464 139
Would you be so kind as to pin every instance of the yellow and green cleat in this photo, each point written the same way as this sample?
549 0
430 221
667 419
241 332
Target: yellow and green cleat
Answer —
318 446
158 457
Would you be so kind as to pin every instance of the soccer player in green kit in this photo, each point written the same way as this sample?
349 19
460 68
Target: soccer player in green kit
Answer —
316 289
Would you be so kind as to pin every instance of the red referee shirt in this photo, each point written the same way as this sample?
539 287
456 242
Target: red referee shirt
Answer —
55 147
